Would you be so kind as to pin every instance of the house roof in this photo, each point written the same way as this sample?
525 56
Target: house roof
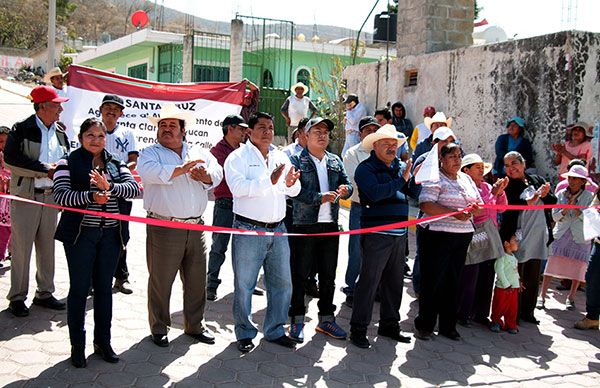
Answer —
147 37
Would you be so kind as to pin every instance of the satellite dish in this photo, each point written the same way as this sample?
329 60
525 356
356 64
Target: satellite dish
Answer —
139 19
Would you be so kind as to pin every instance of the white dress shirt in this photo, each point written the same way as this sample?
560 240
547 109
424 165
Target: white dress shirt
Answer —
325 208
248 176
50 150
354 156
180 197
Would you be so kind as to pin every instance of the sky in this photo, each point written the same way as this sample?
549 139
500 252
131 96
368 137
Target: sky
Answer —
519 18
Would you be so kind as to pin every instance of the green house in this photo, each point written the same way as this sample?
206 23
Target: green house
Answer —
271 62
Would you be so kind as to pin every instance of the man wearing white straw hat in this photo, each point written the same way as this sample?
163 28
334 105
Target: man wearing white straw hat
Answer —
176 181
382 182
296 107
438 120
56 79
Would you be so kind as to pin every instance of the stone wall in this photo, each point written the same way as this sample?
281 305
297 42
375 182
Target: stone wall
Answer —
550 80
426 26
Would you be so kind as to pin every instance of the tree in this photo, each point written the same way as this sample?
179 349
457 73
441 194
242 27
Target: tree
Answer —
65 61
331 89
476 9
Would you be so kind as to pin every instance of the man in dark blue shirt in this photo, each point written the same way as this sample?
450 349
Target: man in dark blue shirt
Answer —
382 185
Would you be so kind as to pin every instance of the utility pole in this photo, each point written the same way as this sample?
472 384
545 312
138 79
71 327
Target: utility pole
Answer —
51 35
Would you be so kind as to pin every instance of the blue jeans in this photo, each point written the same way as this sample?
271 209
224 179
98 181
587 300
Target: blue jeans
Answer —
250 253
592 287
222 216
93 258
354 255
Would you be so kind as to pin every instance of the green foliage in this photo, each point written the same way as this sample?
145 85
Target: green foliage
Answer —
393 8
65 61
477 9
331 89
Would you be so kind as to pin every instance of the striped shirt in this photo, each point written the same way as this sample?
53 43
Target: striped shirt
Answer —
66 196
455 194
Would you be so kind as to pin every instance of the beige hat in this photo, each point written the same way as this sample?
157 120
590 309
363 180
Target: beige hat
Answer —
388 131
438 117
170 111
442 133
53 73
577 171
589 131
474 158
299 85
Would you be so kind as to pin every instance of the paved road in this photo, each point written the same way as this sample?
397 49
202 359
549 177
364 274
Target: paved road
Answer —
34 351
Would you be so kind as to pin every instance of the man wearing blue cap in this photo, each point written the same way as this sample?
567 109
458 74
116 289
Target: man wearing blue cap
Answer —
323 182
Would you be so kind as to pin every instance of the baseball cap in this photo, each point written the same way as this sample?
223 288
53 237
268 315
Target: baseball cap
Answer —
235 120
442 133
350 98
113 99
367 120
45 93
317 120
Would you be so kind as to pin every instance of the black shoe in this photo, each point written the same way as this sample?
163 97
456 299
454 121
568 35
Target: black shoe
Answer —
284 341
121 286
258 291
18 308
360 340
78 356
394 334
483 321
160 340
106 352
50 303
211 294
205 337
530 319
349 301
463 322
452 334
423 335
407 273
245 345
311 289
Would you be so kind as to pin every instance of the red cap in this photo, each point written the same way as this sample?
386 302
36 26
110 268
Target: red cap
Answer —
45 93
428 111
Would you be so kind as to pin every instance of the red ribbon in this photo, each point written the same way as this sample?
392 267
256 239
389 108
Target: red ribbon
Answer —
220 229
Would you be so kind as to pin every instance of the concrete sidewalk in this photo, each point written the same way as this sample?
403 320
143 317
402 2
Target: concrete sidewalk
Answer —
34 351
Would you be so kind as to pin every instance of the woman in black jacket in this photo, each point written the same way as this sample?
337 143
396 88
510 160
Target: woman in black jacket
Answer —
90 178
532 228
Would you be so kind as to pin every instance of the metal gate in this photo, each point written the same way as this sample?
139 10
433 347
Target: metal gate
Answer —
267 61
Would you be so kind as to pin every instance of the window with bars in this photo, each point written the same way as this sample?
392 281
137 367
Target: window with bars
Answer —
138 71
411 77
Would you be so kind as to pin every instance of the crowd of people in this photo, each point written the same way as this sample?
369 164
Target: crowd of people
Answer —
478 265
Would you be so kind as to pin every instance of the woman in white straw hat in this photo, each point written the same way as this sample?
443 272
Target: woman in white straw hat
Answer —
296 107
477 277
570 253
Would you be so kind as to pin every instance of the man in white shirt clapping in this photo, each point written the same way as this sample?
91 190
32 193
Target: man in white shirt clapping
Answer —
259 177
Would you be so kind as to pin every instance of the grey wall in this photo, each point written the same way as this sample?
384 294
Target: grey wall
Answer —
550 80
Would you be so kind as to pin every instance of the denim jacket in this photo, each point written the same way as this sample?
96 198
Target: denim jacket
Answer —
308 202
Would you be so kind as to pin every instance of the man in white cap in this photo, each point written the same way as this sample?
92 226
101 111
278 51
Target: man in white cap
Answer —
438 120
176 182
120 142
33 148
382 182
56 79
296 107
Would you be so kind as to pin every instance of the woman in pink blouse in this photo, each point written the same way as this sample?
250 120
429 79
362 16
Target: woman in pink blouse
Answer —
477 276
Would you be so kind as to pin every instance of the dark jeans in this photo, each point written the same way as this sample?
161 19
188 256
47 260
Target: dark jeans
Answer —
592 287
383 267
324 252
93 258
466 290
122 273
354 254
222 216
529 273
416 271
442 257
